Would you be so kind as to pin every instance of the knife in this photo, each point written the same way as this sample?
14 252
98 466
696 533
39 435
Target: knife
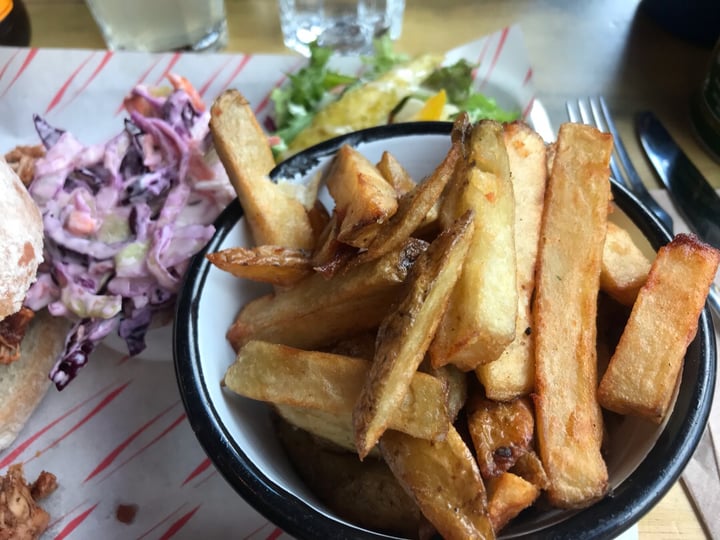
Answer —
693 197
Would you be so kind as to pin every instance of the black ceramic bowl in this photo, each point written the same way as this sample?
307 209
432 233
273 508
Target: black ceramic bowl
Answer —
238 436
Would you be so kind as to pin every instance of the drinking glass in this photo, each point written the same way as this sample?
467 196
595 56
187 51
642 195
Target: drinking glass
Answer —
347 26
161 25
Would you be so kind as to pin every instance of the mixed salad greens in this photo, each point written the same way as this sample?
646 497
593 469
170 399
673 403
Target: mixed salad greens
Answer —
438 95
123 219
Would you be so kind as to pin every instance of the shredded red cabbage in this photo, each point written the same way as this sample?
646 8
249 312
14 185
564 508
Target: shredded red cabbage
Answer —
122 220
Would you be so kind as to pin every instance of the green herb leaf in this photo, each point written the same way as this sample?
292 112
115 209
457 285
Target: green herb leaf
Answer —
455 79
297 101
384 58
479 107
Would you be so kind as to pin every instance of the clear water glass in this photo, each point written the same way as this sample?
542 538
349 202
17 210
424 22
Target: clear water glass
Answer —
347 26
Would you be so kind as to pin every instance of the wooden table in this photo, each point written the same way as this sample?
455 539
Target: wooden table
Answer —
594 47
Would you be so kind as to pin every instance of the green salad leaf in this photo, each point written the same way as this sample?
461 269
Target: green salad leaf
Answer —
316 85
306 91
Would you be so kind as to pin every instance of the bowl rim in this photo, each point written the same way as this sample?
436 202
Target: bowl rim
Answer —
612 515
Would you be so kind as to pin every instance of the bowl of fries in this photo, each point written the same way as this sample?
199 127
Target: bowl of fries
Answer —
447 352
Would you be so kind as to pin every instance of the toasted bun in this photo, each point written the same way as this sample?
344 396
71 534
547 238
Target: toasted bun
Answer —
23 383
21 241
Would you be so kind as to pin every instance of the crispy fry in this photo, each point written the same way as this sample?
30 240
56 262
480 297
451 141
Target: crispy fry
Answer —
363 198
331 255
365 493
395 174
455 382
480 319
330 383
513 374
412 210
405 333
529 467
568 418
316 312
624 266
508 495
275 217
267 264
644 370
501 432
319 217
444 480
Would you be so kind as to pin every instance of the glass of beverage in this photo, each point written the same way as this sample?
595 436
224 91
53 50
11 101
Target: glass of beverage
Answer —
161 25
347 26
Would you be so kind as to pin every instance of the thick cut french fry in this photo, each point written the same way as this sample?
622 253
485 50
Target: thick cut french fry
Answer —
395 174
412 209
513 373
330 383
267 264
363 198
480 319
501 432
405 333
568 417
624 266
317 312
364 493
275 217
645 367
444 480
508 495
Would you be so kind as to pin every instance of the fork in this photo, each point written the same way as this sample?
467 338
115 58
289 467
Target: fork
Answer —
594 112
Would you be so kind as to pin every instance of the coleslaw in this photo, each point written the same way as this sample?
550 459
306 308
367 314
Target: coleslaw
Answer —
123 219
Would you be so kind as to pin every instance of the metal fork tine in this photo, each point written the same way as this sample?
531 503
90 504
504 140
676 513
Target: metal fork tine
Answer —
632 175
603 125
572 112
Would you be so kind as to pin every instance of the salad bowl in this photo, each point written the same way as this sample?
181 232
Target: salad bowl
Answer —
644 460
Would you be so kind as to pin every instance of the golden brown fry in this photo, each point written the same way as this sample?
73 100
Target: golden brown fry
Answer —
395 174
363 198
624 266
513 374
317 312
508 495
501 432
568 418
330 383
319 217
645 368
267 264
405 333
444 480
331 255
412 210
529 467
455 382
364 493
480 319
275 217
